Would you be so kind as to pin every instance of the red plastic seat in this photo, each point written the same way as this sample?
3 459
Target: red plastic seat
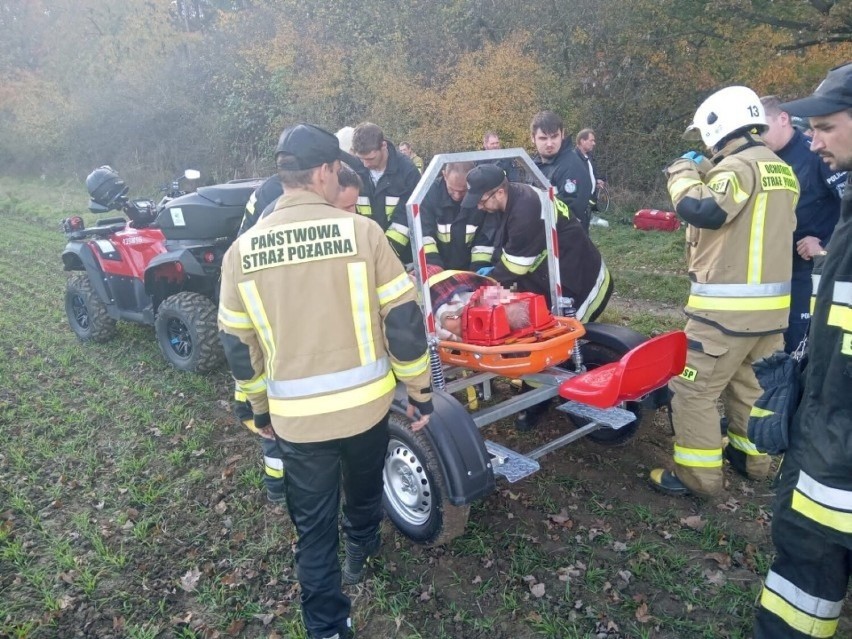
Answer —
637 373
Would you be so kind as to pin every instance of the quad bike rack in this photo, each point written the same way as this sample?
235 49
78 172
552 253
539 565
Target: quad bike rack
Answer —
432 476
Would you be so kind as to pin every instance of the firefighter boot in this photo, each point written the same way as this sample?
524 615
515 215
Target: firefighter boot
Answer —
667 482
356 557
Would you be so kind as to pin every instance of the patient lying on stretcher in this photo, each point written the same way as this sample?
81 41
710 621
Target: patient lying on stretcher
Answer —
451 292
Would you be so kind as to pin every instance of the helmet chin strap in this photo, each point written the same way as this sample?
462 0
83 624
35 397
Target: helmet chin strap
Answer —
749 134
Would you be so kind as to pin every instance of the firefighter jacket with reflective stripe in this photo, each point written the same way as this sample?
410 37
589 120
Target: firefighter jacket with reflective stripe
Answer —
385 200
819 201
821 435
520 252
319 319
449 231
569 175
740 216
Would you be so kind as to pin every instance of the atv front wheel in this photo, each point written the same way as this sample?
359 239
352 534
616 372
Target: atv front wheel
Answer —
187 332
87 313
415 495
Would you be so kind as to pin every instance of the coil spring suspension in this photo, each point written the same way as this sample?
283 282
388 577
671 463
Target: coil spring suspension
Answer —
566 306
436 367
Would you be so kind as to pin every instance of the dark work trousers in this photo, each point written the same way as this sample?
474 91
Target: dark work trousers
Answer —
313 497
273 468
800 308
806 585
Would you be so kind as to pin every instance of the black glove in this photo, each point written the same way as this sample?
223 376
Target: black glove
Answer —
425 408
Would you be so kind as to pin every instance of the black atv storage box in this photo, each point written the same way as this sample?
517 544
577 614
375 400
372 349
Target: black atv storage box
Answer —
209 213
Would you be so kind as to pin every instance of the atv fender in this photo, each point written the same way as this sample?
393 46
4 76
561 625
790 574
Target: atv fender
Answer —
78 256
622 339
465 464
191 266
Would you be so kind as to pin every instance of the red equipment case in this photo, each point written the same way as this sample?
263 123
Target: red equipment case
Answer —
655 220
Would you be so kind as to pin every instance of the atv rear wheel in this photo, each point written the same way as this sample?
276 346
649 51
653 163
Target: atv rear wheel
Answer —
415 494
87 313
187 332
595 355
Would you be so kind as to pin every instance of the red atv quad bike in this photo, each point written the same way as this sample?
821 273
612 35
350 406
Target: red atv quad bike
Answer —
159 265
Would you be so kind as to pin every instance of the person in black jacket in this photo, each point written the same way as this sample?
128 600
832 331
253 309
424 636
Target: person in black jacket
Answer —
391 178
560 163
449 228
812 523
817 210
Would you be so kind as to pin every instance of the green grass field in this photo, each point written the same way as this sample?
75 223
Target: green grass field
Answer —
131 503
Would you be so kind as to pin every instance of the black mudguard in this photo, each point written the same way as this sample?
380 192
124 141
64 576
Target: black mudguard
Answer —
622 339
79 256
465 463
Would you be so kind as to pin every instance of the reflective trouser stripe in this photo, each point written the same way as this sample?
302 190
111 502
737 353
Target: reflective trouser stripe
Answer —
254 305
596 296
743 444
239 395
698 457
359 298
273 467
801 611
830 507
333 402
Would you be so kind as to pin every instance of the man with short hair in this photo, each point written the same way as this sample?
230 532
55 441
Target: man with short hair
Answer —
406 149
393 178
559 163
586 143
812 514
449 228
321 377
816 212
491 142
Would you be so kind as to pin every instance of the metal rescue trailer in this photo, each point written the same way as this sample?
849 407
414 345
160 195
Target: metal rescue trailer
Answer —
432 476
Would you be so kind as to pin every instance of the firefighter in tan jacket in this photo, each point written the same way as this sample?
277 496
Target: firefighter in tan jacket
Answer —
740 210
319 320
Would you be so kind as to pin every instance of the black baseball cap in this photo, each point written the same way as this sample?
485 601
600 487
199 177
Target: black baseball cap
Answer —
305 146
480 180
832 95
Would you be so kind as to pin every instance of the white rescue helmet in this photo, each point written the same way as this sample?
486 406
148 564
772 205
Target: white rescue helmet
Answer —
724 112
344 137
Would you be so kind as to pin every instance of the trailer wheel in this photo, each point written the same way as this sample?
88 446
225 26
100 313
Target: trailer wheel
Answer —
415 492
595 355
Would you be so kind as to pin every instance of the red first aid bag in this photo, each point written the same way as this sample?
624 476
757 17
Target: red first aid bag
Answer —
654 220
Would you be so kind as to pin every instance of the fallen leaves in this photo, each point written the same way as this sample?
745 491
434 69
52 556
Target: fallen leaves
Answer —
189 581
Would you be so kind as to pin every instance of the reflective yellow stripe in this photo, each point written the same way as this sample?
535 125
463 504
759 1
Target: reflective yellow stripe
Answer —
758 224
773 303
364 208
737 193
840 316
795 618
681 186
239 395
256 385
596 295
514 268
480 257
234 319
254 306
698 457
273 467
333 402
397 237
835 519
411 369
430 249
562 208
393 289
743 444
359 298
813 304
760 412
